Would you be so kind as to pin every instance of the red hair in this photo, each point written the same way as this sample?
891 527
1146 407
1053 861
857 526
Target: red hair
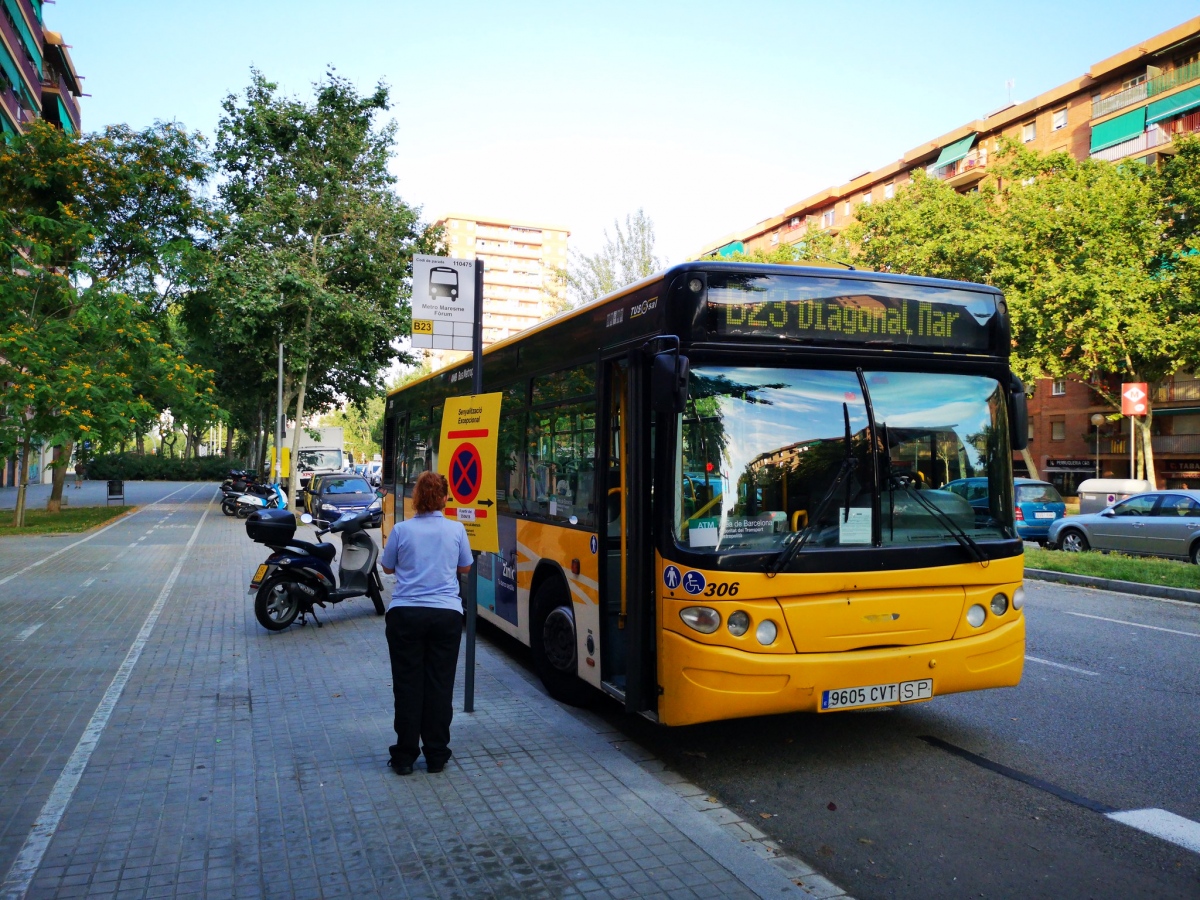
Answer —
429 494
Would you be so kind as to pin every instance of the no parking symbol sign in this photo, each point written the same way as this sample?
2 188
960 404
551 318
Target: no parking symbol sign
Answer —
467 457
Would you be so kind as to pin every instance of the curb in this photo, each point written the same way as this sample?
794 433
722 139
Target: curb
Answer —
1108 584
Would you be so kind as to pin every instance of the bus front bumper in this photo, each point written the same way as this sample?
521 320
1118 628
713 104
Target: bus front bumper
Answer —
703 683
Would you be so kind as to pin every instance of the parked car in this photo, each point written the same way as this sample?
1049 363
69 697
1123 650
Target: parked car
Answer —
336 494
1037 504
1156 523
373 472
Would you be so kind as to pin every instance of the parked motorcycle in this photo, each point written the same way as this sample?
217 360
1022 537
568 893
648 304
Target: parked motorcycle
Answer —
272 498
230 496
297 576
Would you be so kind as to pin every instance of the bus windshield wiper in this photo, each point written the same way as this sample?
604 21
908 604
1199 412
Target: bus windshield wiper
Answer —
798 539
964 540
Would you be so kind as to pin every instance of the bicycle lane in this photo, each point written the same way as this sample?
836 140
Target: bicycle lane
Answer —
67 624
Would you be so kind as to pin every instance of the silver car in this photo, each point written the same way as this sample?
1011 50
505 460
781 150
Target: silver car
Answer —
1157 523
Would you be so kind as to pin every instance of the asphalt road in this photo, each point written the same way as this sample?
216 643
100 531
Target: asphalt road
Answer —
1105 718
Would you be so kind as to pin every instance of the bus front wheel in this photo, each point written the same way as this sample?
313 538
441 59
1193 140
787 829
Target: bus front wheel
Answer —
553 641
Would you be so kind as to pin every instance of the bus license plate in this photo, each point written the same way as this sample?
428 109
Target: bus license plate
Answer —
259 575
872 695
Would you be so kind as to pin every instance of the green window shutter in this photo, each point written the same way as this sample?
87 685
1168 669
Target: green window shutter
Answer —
956 151
1173 105
729 249
34 47
64 117
1122 128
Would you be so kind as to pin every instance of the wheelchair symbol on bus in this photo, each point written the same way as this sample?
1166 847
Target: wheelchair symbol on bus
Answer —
671 577
693 582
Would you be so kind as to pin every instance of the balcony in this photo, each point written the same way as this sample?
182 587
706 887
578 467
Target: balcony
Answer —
1176 443
1127 97
1152 137
968 170
1171 391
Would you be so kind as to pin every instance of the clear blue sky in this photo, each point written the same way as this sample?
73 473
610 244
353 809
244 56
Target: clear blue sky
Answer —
710 116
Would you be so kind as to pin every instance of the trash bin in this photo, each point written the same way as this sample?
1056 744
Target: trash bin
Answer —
1096 494
116 491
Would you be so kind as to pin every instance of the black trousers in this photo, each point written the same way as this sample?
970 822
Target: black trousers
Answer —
423 646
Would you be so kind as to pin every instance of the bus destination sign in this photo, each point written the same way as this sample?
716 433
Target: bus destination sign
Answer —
850 311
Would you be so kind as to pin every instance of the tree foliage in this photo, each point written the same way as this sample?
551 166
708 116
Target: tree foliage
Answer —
84 336
314 252
626 257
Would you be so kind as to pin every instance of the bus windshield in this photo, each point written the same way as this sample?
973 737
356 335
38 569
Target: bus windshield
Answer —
766 455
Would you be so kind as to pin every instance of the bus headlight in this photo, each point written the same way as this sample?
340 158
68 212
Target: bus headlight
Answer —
704 619
766 632
975 615
999 605
739 623
1018 598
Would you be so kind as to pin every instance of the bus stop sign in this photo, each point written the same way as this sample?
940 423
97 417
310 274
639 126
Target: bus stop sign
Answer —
467 457
443 302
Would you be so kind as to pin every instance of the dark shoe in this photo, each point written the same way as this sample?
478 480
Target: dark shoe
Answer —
399 769
434 768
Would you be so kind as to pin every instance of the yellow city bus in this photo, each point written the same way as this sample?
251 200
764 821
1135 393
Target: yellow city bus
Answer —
721 491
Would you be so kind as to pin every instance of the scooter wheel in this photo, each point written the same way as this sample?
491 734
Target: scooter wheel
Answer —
244 511
228 508
373 589
276 605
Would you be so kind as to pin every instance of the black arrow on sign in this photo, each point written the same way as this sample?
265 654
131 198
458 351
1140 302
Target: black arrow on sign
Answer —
485 502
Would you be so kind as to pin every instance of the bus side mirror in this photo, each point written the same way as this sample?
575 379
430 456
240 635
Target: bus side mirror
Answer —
668 382
1019 419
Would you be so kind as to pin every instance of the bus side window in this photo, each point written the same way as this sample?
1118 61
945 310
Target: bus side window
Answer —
510 459
560 479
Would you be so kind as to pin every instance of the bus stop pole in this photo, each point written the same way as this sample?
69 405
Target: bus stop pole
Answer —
472 592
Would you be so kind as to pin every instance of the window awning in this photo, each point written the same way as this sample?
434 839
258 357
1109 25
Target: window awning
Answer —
1176 411
1122 128
956 151
1173 105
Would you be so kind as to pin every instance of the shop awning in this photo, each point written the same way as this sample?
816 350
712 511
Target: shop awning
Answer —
1173 105
956 151
1176 411
1122 128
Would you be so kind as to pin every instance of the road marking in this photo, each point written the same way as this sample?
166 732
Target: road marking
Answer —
1158 822
1162 824
22 635
1046 662
20 876
1134 624
43 561
86 583
64 601
105 567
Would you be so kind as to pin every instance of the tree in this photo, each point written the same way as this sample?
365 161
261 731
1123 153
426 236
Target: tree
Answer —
76 337
317 246
1080 257
1076 246
625 258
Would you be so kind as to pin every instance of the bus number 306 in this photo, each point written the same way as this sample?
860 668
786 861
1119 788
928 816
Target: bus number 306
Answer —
722 589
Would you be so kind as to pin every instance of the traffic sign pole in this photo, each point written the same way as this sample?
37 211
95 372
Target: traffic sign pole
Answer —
470 601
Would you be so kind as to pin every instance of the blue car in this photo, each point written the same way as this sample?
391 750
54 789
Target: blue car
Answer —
1038 504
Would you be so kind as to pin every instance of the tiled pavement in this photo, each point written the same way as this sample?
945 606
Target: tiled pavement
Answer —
239 763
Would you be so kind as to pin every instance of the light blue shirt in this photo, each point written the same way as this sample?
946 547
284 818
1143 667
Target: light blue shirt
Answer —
426 552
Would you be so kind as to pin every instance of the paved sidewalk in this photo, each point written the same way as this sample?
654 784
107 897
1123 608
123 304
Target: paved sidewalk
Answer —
239 763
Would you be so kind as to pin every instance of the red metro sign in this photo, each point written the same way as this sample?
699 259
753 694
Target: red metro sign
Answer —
1133 398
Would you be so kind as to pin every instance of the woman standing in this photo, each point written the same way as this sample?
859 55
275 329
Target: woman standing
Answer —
424 625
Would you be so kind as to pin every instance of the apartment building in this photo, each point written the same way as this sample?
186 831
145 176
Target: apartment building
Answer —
1130 106
37 77
37 80
520 284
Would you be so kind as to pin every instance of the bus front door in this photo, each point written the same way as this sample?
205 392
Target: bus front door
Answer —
627 658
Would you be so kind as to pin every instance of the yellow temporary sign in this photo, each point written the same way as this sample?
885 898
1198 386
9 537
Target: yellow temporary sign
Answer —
467 457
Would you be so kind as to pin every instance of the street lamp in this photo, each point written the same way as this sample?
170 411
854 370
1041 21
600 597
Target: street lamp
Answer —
1097 420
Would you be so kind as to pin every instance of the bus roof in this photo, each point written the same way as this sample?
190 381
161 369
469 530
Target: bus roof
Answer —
702 265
